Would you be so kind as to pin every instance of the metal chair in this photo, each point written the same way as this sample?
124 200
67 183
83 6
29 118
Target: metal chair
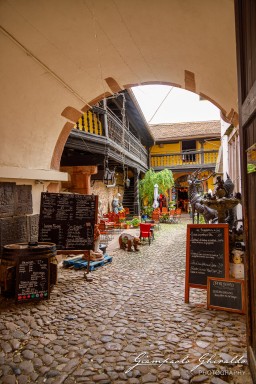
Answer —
105 234
117 223
172 216
178 214
127 211
165 215
156 218
145 232
152 222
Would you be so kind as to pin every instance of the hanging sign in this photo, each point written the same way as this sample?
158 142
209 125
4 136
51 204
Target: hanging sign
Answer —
251 159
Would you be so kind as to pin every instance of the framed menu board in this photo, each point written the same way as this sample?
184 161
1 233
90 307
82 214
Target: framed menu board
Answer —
226 294
68 220
32 279
207 254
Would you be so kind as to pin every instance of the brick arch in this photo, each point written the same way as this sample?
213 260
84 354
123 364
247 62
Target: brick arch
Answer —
73 115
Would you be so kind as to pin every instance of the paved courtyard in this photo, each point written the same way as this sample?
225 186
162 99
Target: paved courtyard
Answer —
129 325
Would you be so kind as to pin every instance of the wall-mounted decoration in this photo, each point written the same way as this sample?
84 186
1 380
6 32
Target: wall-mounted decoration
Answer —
251 159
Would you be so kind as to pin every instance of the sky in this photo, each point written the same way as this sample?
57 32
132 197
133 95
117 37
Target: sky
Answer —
177 105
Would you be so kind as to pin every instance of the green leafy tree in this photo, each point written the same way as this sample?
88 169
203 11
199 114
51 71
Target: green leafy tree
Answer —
164 180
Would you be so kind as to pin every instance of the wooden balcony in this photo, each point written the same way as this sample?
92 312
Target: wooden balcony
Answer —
102 133
190 160
119 134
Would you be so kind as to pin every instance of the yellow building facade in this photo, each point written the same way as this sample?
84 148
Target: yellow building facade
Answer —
184 148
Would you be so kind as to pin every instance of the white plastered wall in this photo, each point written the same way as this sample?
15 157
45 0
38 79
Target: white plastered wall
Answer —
58 53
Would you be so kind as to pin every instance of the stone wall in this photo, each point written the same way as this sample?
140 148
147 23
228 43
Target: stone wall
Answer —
106 194
17 223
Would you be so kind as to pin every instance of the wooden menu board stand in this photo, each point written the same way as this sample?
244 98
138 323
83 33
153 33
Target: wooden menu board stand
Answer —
226 294
68 220
207 255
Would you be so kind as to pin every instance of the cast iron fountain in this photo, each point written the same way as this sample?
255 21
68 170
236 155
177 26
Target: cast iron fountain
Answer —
216 208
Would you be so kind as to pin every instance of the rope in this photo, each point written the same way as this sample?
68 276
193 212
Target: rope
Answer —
112 44
134 41
103 83
161 103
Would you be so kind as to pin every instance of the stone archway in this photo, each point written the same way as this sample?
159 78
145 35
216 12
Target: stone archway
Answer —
73 115
70 56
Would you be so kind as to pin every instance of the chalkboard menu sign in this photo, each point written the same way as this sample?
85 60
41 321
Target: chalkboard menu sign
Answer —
68 220
207 254
32 279
226 294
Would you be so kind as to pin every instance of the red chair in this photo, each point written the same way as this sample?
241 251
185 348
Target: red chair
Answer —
111 216
156 218
105 233
145 231
178 214
121 215
165 214
172 216
127 211
117 224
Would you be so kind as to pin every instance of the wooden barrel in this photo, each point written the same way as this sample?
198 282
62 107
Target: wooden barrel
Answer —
11 255
14 251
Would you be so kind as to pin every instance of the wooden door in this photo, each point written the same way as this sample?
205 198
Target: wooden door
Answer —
245 12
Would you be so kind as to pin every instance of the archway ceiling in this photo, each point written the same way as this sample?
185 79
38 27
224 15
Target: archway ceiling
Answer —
58 53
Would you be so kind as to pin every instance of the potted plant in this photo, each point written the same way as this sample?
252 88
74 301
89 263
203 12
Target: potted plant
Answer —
135 222
128 224
164 218
147 212
122 222
172 205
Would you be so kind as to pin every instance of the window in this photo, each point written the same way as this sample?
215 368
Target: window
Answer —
188 146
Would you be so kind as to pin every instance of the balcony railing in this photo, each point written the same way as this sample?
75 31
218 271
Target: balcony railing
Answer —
184 159
91 123
120 135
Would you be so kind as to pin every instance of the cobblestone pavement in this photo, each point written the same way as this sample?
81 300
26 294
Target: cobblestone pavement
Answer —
94 332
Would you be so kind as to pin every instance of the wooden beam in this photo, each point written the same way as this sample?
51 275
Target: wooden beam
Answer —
252 360
249 105
113 85
190 81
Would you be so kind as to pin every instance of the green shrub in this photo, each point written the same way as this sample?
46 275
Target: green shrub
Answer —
135 222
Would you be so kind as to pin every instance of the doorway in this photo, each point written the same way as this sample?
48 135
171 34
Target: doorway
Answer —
183 199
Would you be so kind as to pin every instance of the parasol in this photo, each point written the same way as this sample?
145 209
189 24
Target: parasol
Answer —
155 203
